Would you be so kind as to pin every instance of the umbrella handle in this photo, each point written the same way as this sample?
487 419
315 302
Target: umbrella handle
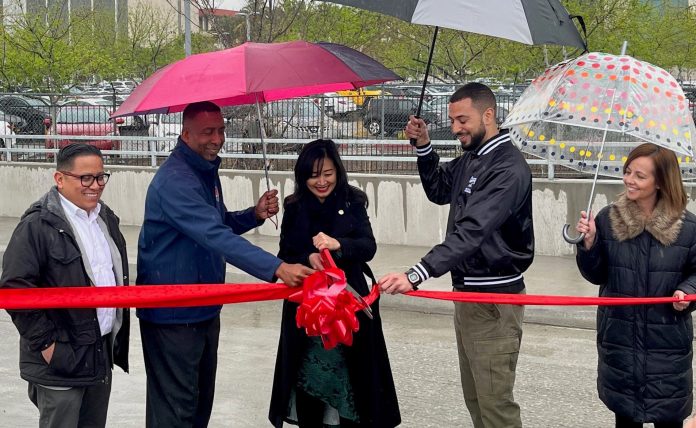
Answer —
570 239
414 141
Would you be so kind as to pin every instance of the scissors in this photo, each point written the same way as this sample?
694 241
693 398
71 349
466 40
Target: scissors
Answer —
329 262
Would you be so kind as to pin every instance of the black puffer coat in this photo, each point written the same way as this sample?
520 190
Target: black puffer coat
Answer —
645 351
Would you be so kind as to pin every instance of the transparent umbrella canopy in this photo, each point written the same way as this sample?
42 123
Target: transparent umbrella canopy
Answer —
589 113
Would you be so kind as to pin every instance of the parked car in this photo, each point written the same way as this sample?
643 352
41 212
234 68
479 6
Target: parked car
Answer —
335 105
396 112
91 101
127 126
33 111
166 126
8 125
360 96
691 97
298 118
84 120
122 86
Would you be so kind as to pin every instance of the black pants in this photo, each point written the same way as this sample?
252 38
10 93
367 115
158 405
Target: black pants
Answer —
180 363
84 407
624 422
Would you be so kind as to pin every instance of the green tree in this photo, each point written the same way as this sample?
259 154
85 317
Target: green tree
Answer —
49 50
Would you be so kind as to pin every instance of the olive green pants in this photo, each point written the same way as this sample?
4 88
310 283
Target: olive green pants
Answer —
488 341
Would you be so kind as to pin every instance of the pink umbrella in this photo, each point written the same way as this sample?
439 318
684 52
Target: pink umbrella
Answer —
255 72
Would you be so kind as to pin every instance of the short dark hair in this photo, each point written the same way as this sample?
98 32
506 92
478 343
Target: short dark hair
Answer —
66 156
481 96
316 151
192 110
667 175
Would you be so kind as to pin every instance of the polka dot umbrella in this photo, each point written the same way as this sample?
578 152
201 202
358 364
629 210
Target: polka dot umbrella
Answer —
589 113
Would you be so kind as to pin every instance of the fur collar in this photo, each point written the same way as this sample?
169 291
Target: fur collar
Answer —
628 221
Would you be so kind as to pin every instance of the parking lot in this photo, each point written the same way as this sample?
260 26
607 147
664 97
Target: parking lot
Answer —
367 123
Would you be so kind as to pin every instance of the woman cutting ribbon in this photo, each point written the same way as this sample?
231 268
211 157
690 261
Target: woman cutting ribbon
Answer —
347 386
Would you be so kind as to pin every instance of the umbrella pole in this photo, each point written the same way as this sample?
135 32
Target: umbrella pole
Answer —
262 135
566 236
425 79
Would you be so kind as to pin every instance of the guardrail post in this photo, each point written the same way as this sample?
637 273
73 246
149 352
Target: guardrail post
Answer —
323 113
8 154
550 172
381 116
153 149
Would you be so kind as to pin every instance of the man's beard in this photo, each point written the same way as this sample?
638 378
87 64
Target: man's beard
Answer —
476 139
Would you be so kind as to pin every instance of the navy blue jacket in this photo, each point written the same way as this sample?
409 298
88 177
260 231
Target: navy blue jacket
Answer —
188 235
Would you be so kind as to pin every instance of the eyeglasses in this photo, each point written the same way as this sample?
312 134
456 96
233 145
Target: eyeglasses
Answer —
87 179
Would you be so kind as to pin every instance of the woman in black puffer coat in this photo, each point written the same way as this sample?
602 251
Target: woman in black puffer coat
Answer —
644 245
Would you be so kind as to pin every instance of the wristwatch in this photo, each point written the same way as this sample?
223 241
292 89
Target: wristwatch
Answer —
413 278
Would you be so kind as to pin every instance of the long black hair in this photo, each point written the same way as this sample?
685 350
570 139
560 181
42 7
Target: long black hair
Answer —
314 153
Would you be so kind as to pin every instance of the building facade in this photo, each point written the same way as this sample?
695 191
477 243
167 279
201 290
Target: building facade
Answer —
118 9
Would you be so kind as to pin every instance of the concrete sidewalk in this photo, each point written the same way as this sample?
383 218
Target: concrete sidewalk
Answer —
547 275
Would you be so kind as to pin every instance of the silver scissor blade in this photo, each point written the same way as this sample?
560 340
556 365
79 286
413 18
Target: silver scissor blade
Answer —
366 308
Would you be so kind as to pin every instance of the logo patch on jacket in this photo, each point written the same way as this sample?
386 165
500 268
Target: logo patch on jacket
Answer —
472 181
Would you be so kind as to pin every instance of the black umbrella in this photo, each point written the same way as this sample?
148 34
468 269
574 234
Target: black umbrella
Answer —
534 22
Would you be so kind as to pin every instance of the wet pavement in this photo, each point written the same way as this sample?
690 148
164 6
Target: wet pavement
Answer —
555 382
555 377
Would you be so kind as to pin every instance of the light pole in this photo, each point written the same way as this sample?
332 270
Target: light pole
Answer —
187 27
246 16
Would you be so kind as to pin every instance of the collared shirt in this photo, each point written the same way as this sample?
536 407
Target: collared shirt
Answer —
97 253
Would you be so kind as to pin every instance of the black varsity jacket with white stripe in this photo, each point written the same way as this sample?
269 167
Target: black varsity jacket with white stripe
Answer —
490 235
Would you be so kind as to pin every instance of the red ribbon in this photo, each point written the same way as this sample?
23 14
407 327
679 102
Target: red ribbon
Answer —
544 300
143 296
326 308
183 295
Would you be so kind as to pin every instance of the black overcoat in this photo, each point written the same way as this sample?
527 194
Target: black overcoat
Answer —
345 219
645 351
42 253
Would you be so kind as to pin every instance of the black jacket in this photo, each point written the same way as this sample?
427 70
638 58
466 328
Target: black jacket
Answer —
490 236
43 253
368 363
645 351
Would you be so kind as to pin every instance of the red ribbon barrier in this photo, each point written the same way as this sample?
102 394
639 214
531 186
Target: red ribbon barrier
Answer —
544 300
183 295
143 296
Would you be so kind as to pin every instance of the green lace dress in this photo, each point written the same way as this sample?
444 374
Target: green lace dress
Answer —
323 374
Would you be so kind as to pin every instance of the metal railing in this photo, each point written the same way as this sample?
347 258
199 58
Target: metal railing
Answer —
364 156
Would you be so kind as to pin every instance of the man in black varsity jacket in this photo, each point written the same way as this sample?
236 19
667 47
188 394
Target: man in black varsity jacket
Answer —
489 244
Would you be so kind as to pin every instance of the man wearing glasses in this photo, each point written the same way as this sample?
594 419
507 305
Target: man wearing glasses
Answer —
70 238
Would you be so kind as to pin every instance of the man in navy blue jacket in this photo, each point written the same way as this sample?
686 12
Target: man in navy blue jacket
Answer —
186 238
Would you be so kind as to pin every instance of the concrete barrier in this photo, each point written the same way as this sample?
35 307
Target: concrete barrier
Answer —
399 211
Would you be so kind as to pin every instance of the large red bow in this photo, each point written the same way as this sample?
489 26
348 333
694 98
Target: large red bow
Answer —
326 308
